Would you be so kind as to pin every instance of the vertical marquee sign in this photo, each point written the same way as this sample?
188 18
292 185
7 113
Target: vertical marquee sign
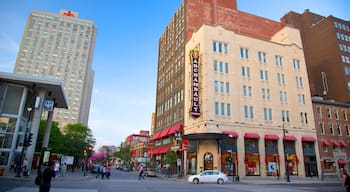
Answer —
195 61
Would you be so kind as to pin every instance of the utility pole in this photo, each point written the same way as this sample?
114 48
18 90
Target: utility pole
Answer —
285 153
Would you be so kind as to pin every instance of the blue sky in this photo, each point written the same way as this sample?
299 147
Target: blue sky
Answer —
125 58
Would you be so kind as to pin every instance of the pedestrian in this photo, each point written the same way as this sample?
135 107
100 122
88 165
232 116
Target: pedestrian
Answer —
104 171
25 166
278 174
98 171
57 167
63 169
108 172
141 172
47 175
345 179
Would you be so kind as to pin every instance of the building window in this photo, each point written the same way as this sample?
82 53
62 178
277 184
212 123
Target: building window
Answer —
228 108
215 65
296 64
262 57
226 68
216 86
220 47
225 48
319 112
278 61
328 165
221 87
347 128
339 130
216 108
244 53
336 114
214 46
331 129
222 109
267 114
227 88
221 67
329 113
321 128
345 115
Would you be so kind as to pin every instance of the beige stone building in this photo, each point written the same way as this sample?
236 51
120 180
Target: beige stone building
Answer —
254 98
61 46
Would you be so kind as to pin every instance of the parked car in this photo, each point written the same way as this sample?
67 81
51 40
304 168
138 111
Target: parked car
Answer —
208 176
150 172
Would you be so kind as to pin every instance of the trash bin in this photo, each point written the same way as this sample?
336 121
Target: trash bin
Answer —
2 171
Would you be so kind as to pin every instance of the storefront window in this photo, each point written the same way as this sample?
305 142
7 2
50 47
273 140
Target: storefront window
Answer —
252 161
271 158
208 161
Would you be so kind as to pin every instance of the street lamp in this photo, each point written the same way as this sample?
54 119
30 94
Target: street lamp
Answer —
145 154
26 142
285 153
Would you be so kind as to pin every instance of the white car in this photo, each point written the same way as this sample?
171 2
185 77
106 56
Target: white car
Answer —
208 176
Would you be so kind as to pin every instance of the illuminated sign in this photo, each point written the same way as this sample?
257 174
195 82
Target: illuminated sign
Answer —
195 61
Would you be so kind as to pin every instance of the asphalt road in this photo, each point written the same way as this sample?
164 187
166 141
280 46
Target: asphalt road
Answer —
128 182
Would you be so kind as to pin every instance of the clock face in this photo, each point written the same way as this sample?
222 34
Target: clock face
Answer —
48 104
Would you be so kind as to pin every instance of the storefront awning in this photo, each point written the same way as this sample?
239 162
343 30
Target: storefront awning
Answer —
251 136
308 139
271 137
342 143
335 144
175 128
156 135
164 133
289 138
231 133
325 143
341 161
198 136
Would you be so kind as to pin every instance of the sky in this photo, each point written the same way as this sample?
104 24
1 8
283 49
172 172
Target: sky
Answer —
125 58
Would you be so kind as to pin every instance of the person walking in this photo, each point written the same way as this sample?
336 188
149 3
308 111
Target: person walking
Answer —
63 169
13 166
46 177
108 172
345 179
104 171
141 169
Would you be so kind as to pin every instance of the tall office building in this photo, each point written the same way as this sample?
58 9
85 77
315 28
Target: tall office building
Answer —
61 46
233 88
326 43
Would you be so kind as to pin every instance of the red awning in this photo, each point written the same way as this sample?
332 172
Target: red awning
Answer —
155 151
175 128
271 137
325 143
251 136
342 143
164 149
164 133
308 139
335 144
232 133
341 161
156 135
289 138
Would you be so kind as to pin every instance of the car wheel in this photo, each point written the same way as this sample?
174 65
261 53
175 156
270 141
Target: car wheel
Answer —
220 181
195 181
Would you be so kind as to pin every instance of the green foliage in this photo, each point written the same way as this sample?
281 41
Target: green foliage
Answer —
171 157
124 154
77 137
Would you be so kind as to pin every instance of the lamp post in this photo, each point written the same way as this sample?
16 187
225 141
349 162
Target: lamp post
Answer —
285 153
26 142
145 154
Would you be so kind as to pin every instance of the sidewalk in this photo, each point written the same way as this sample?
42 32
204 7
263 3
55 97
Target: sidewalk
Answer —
259 180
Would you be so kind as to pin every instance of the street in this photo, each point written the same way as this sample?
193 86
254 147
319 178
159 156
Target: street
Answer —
128 181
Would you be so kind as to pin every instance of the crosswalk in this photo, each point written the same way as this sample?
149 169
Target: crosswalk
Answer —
35 189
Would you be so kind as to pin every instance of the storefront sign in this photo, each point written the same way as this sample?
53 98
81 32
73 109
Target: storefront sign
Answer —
195 61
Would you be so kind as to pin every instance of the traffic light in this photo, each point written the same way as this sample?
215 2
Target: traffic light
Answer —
28 139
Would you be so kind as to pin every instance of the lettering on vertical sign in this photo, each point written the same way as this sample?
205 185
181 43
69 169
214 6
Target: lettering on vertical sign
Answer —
195 62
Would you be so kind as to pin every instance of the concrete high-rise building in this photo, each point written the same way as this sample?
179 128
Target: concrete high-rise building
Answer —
232 87
61 46
326 43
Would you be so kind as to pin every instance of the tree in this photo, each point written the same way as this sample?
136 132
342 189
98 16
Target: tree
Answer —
56 137
123 154
171 157
77 138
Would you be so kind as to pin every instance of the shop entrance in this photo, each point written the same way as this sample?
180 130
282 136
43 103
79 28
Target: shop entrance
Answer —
208 161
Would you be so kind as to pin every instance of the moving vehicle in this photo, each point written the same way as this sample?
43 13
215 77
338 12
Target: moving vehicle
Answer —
95 168
208 176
